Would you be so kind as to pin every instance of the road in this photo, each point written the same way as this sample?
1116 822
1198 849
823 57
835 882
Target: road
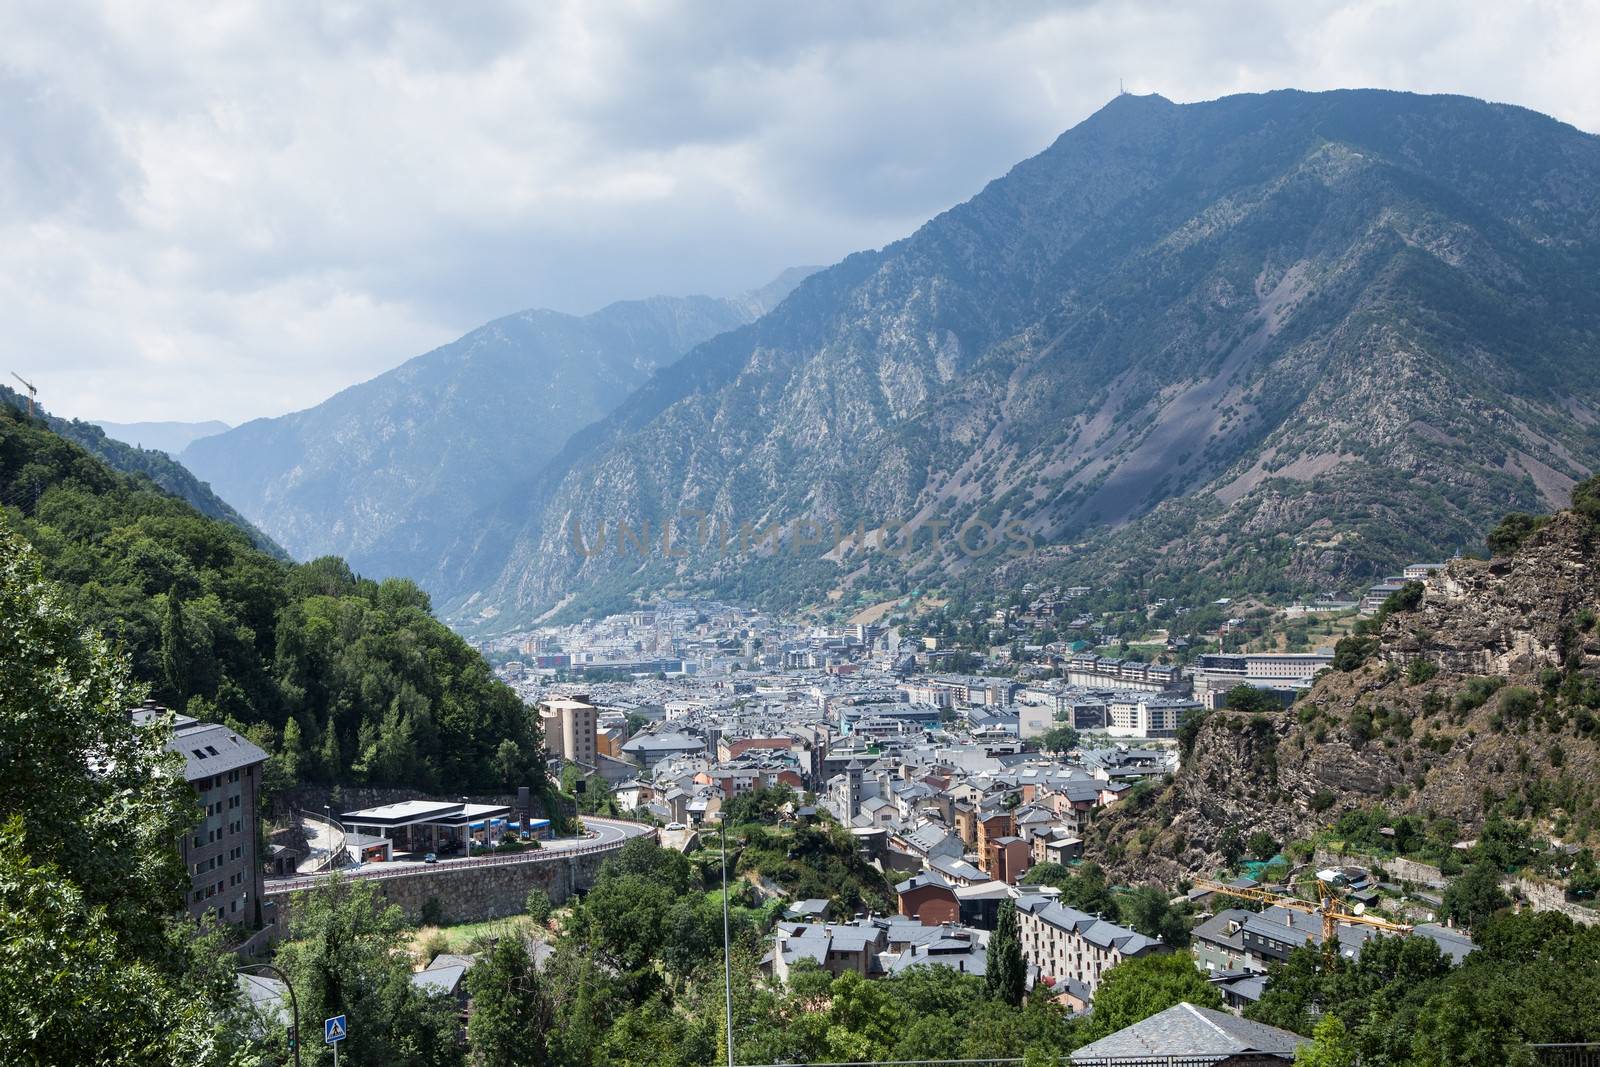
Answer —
605 835
323 838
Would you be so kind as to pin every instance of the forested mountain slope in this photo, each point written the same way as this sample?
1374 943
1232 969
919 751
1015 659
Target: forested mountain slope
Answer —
1286 340
1477 694
385 473
343 679
166 472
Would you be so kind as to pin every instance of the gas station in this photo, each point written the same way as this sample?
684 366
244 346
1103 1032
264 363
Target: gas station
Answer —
440 827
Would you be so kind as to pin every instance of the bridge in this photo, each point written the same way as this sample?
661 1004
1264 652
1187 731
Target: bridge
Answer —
482 887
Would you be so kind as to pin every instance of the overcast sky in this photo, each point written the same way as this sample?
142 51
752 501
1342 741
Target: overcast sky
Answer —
228 210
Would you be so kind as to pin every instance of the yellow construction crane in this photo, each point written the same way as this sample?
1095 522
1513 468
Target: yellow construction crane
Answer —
1332 912
32 392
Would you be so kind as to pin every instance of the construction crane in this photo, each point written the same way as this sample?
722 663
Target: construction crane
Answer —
1332 912
32 392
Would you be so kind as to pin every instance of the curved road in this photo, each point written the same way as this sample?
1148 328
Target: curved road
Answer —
606 835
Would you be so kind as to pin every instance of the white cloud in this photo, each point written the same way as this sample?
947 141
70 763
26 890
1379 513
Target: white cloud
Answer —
235 209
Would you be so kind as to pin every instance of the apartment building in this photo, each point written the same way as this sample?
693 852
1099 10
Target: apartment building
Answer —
1067 944
1152 715
570 731
220 852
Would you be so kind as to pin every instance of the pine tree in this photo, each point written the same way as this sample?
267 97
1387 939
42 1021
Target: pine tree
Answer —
332 761
1006 977
175 658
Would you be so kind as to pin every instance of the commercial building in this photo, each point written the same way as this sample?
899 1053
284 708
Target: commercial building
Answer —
220 851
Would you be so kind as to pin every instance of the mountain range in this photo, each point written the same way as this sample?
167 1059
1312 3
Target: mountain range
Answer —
388 472
1277 343
1281 342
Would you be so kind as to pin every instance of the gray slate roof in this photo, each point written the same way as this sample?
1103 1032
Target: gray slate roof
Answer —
1185 1030
206 747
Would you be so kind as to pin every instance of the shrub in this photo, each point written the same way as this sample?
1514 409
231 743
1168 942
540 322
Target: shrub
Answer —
431 912
1518 702
1476 692
1513 530
431 941
1420 670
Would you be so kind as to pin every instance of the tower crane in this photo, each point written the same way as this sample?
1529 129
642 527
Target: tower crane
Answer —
32 391
1332 912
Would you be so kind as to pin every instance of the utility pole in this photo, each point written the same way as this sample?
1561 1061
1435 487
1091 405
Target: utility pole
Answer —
727 940
294 1007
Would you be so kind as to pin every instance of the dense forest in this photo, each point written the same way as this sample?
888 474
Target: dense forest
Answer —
341 678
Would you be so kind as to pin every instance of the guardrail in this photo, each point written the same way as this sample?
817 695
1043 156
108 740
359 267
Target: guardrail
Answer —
1576 1054
403 870
339 841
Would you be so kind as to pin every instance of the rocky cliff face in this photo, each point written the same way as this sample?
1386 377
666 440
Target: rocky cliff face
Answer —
1488 690
1281 340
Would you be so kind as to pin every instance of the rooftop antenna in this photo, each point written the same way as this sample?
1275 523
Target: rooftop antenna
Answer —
1120 90
32 391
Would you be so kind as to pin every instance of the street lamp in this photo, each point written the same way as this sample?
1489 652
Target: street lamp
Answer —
727 949
294 1004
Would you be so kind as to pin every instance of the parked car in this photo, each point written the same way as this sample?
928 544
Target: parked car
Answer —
431 858
676 826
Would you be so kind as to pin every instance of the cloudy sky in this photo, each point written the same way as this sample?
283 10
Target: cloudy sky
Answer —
229 210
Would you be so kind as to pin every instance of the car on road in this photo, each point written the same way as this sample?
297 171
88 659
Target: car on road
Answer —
430 858
676 826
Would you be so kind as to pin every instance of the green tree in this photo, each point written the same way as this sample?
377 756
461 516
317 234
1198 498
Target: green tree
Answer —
176 656
1261 845
345 958
92 969
1139 988
1475 895
1006 975
1149 911
1248 698
510 1015
538 906
1330 1046
1059 739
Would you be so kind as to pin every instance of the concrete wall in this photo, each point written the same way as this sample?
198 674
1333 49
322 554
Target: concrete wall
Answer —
474 894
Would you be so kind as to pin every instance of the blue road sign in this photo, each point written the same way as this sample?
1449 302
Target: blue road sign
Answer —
333 1030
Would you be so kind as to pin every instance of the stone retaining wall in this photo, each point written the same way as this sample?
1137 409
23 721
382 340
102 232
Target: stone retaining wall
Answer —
475 894
1397 869
1542 896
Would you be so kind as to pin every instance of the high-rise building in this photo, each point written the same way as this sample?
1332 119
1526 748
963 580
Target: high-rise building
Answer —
569 725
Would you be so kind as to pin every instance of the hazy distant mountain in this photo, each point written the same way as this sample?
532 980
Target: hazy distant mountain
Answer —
1283 341
387 472
169 437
